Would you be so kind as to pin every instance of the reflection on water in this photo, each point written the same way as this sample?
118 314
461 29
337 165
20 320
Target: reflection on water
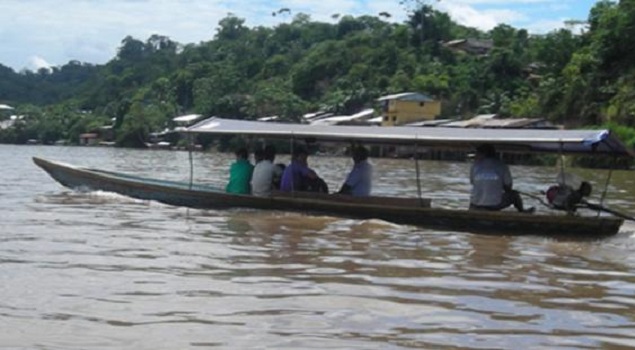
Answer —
102 271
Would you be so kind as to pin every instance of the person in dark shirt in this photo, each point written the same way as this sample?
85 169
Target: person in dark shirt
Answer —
297 176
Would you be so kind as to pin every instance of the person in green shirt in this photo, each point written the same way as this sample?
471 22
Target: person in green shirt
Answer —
240 174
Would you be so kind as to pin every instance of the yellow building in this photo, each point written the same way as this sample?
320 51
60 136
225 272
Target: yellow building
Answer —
408 107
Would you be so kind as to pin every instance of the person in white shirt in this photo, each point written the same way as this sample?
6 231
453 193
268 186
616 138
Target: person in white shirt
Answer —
492 183
265 173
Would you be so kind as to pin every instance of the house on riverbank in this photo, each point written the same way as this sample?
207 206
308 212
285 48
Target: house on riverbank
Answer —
408 107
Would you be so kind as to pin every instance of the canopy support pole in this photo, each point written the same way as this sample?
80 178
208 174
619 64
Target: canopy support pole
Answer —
563 177
608 181
189 150
416 155
292 140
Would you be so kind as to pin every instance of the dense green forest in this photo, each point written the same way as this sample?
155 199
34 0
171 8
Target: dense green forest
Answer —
583 76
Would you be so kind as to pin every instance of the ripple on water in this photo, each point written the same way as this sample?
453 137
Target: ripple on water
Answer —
102 271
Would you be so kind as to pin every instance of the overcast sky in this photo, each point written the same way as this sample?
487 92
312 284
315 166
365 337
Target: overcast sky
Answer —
40 33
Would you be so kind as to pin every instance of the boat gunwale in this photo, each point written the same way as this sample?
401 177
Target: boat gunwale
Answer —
333 206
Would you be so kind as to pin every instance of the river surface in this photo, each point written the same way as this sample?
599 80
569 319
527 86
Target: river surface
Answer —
102 271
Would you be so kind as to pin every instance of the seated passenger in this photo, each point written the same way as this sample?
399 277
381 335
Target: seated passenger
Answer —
492 182
564 197
265 172
299 177
240 174
277 176
259 155
358 182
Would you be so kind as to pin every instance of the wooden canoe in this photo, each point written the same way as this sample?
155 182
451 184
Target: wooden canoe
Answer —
411 211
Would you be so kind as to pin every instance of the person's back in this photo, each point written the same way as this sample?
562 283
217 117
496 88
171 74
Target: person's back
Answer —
265 172
359 180
262 178
492 183
240 174
297 176
489 176
293 176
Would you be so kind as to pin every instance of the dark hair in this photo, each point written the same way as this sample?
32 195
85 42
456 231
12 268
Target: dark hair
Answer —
242 153
259 154
487 150
269 152
360 153
299 151
585 189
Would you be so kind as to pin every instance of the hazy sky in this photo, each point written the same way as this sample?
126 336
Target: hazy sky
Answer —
40 33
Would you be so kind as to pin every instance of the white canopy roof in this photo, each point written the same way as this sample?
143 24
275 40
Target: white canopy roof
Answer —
600 142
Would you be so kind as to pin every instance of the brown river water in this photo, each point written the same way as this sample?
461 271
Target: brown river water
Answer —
102 271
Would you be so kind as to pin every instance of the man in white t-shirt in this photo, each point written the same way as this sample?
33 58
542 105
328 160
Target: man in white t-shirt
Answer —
492 183
265 173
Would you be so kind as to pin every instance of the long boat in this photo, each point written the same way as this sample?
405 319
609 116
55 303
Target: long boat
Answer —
410 211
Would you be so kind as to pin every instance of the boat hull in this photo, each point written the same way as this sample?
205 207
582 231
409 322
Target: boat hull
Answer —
397 210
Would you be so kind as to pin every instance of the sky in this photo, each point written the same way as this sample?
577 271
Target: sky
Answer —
42 33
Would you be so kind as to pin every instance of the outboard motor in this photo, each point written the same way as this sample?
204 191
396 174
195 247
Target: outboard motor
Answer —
564 197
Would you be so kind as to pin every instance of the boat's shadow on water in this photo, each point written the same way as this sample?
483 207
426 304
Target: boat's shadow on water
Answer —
275 222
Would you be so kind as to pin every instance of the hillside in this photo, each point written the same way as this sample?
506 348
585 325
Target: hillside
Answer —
576 79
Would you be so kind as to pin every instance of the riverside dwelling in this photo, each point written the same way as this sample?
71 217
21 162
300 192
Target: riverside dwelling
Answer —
89 139
408 107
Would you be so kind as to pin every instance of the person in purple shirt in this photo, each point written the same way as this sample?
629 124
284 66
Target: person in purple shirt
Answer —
298 176
359 180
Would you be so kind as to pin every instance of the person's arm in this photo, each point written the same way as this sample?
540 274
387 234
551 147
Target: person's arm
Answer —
351 181
311 174
346 189
300 177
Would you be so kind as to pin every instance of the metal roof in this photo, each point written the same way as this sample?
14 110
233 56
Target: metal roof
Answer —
333 120
599 142
344 118
187 118
407 96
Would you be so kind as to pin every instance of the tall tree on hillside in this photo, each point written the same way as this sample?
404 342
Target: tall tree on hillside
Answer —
231 28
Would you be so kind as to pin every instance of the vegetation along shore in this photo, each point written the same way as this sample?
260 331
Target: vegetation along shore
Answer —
581 76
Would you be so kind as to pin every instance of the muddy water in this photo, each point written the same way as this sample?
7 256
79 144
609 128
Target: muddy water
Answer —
101 271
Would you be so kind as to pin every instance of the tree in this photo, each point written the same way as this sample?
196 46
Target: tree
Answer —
230 28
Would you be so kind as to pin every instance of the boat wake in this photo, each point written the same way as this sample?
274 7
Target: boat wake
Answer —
93 197
628 228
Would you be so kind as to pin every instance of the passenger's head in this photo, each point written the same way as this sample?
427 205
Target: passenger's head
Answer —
259 154
585 189
486 150
242 153
269 152
300 153
359 154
